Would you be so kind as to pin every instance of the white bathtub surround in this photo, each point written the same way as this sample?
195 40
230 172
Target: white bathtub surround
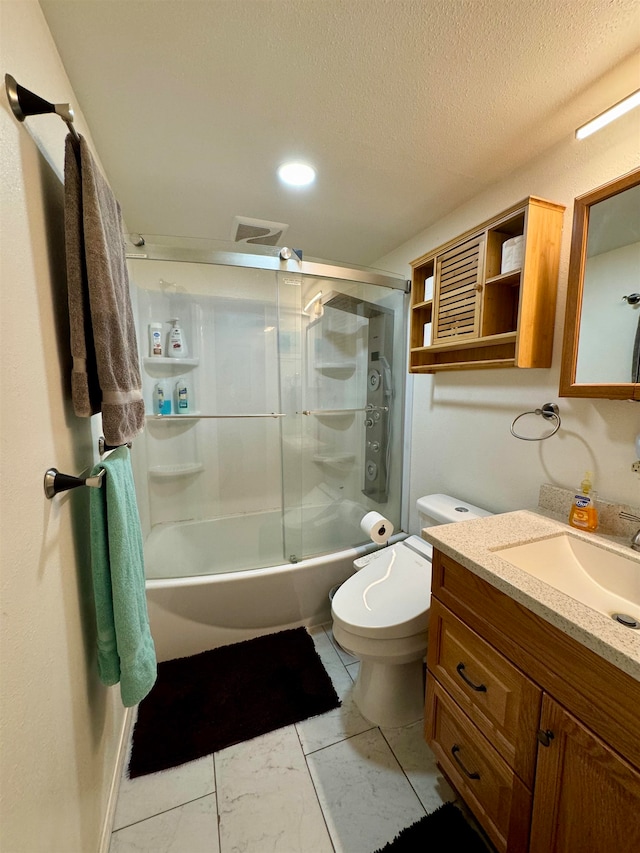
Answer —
315 787
190 615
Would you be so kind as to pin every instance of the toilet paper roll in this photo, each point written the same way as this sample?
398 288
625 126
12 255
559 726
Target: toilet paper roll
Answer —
512 251
428 288
377 527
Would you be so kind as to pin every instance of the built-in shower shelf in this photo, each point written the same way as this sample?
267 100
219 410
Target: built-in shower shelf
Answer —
174 417
165 361
334 460
165 472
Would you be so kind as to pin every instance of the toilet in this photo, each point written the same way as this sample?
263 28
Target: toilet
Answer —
381 616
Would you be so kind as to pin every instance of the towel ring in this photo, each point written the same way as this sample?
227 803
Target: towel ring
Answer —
548 411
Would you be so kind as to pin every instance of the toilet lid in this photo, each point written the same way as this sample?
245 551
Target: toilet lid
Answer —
389 598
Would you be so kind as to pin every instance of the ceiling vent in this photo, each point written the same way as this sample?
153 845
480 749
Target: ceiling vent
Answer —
258 231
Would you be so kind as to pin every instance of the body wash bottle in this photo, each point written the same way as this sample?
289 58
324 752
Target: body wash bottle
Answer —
583 514
177 344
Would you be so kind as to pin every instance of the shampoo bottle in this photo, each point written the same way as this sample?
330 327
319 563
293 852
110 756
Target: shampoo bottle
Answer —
161 400
177 344
583 514
182 397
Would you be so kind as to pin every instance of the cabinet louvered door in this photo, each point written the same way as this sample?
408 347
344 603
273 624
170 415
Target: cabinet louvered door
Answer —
458 291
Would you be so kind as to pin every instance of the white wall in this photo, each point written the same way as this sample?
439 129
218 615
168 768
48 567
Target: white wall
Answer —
461 444
608 324
60 726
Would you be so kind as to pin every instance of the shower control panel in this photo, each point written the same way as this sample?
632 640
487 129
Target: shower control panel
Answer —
378 410
377 420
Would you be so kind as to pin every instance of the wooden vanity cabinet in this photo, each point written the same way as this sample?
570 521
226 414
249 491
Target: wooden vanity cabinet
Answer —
477 315
539 735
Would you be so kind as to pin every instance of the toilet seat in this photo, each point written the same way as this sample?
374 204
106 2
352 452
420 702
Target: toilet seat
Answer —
387 599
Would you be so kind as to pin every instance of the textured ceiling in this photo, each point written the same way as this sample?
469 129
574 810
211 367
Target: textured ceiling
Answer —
407 109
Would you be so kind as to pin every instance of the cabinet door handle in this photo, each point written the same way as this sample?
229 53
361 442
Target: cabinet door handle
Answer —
480 688
545 737
455 749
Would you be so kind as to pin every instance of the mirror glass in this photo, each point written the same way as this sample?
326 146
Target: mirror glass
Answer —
601 350
610 311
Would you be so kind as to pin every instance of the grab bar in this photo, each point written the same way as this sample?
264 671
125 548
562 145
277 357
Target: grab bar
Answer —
55 482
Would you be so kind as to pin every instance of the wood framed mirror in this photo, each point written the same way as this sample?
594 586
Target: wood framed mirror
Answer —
601 347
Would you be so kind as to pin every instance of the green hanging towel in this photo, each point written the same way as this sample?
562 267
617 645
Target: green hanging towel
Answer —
126 652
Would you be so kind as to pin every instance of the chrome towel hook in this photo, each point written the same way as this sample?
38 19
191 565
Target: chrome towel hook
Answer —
549 411
55 482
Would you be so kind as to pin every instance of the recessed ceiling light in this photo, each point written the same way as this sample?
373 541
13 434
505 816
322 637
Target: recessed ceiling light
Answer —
296 174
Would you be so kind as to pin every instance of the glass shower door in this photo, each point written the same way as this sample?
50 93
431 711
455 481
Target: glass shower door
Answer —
339 343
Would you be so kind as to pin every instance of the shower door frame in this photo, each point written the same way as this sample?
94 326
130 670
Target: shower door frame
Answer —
271 261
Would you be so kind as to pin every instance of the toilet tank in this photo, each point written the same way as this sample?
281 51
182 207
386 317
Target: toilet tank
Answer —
444 509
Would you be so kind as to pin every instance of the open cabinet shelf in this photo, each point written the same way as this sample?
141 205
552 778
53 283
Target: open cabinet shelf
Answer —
493 305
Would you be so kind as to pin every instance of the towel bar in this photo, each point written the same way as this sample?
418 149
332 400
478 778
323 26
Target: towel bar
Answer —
103 447
55 482
24 103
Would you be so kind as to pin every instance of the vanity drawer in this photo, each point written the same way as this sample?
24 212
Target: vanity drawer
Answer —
493 792
498 697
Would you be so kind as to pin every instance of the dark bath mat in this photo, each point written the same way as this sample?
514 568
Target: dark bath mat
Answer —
443 830
203 703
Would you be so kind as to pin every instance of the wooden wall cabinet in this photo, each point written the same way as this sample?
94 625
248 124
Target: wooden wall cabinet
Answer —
479 316
538 734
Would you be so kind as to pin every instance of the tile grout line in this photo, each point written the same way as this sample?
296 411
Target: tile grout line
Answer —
164 811
403 771
215 785
315 791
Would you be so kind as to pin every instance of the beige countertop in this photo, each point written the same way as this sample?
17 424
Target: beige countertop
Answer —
473 544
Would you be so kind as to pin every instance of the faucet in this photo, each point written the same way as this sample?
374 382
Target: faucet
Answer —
635 540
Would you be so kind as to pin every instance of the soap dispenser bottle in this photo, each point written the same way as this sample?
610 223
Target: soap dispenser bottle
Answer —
177 343
583 514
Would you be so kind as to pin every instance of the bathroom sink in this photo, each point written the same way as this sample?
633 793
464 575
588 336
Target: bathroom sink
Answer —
600 579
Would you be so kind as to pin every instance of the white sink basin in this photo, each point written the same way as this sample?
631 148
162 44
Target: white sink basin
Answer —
604 581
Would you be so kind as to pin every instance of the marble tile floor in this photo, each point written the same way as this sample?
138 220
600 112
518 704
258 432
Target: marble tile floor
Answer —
331 783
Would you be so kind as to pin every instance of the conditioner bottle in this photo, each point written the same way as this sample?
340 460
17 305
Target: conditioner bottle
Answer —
182 397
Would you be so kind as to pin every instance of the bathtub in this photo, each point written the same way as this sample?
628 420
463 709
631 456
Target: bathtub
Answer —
221 602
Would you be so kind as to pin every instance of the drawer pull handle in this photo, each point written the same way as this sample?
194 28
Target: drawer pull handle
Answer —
480 688
455 749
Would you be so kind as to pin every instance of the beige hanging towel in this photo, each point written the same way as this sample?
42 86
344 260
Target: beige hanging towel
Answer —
106 373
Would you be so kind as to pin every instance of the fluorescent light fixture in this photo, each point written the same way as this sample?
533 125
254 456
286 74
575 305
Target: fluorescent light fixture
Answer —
296 174
609 115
